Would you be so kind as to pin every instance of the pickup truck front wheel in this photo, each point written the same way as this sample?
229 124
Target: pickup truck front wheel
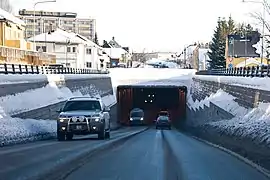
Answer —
61 136
102 134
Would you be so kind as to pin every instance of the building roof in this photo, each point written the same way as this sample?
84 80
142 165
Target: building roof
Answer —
113 44
8 16
61 36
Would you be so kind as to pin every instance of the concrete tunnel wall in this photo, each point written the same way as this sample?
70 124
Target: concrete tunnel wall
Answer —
198 122
102 86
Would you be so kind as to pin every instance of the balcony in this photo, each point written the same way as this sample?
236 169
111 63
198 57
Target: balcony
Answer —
17 56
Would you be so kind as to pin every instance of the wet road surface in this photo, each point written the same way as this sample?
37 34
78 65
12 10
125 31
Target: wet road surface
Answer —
165 155
150 155
32 159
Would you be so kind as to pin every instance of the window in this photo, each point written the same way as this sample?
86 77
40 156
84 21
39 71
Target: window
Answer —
163 118
68 49
137 114
74 49
41 48
88 51
82 105
88 64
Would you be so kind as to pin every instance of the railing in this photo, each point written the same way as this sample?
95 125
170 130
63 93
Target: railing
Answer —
14 55
253 71
30 69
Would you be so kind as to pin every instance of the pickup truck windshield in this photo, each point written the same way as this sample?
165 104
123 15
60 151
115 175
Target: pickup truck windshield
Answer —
82 105
136 114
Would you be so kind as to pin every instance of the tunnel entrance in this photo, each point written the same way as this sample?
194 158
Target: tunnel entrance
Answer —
151 99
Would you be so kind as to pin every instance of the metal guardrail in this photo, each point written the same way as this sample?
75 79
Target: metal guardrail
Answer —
253 71
30 69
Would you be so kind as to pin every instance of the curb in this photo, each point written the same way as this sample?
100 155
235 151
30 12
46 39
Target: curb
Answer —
66 168
245 160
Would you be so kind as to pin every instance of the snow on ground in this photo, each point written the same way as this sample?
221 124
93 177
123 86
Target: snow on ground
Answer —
158 62
255 82
253 123
137 75
15 130
221 99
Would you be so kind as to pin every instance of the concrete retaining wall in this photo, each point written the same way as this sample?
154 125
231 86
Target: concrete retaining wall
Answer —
246 97
199 122
91 86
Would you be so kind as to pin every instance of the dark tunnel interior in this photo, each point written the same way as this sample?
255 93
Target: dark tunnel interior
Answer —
152 100
151 97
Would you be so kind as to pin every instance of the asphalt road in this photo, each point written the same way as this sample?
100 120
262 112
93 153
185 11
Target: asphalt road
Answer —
164 155
30 160
151 155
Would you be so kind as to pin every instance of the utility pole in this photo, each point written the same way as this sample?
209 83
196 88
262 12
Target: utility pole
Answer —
245 48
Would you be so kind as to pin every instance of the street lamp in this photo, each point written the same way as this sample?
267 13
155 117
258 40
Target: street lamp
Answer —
36 3
263 19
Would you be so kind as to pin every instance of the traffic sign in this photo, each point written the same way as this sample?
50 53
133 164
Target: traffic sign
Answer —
230 65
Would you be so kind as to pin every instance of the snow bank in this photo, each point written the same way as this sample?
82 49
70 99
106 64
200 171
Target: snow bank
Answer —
252 123
124 76
255 82
15 130
33 99
221 99
28 78
255 124
161 62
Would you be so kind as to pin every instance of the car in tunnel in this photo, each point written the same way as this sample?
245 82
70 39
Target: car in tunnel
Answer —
153 99
162 113
136 117
163 122
83 116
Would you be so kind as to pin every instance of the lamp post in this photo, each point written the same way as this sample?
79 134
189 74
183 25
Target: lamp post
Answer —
263 24
36 3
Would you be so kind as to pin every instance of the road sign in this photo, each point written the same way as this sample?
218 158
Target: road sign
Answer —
230 65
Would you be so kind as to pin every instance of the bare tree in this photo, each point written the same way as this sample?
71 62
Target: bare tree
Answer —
260 20
5 5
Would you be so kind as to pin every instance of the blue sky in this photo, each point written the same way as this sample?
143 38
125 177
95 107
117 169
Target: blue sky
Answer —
165 25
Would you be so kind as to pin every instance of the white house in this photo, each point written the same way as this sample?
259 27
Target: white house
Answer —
117 55
71 49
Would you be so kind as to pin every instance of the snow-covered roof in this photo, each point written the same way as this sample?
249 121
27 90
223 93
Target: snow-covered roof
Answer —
61 36
115 53
8 16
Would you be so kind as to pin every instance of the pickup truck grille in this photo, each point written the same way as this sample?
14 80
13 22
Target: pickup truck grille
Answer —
77 119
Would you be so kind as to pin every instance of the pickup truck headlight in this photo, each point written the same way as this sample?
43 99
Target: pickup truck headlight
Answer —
63 119
97 119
